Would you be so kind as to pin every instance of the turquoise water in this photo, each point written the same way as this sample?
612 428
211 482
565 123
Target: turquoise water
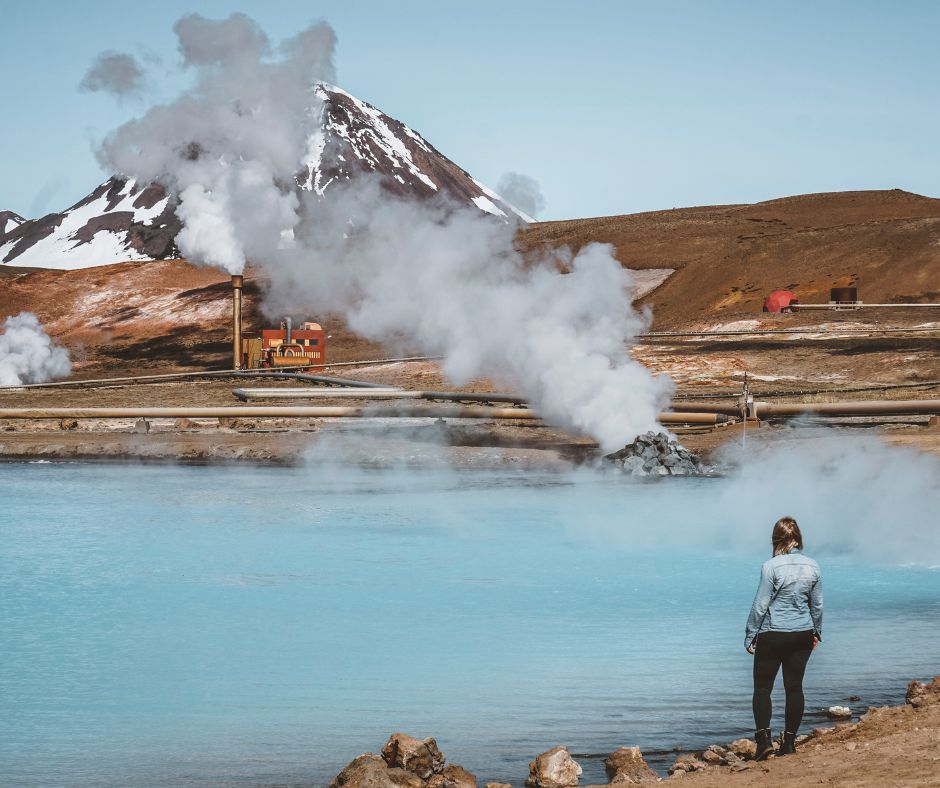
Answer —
199 626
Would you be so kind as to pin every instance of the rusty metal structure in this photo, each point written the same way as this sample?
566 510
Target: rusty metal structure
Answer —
237 285
285 347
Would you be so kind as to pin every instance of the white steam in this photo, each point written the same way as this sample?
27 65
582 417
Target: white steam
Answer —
441 278
850 493
28 354
116 73
450 281
523 192
230 146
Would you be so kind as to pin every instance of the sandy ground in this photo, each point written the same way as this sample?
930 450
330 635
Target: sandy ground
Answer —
896 746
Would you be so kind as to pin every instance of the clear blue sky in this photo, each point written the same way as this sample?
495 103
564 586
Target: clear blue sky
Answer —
613 107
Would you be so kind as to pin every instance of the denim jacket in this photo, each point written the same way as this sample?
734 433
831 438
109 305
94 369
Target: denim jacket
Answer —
789 597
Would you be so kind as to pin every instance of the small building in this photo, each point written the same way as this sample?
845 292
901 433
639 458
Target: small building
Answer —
781 301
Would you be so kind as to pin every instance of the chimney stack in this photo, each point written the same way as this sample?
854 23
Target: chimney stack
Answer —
237 283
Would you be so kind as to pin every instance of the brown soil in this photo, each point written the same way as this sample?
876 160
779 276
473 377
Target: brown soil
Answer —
728 257
889 747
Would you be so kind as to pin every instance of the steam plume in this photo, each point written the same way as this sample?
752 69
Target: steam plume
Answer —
27 354
523 192
116 73
440 277
230 146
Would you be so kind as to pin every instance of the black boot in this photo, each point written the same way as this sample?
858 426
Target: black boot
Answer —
765 744
788 745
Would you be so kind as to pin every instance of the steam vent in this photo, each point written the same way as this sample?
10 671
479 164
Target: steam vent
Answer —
656 454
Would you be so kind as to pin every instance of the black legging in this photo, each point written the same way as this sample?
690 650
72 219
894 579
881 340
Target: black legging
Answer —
792 650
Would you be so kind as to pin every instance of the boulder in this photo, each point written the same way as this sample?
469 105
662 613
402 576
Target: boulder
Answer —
452 776
745 748
627 765
554 768
418 756
839 712
371 771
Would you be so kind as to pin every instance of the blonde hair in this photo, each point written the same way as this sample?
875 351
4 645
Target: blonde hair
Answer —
786 536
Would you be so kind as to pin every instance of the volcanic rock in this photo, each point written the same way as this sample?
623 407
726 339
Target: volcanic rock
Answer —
656 454
554 768
371 771
419 756
627 765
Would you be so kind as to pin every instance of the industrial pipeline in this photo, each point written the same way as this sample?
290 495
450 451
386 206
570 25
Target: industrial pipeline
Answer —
289 412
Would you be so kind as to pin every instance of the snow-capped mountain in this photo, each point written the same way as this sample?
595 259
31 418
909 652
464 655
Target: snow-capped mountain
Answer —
120 221
9 221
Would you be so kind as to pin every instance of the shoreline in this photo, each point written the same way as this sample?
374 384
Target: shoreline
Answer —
888 745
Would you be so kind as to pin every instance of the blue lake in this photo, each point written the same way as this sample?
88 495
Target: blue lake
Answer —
205 626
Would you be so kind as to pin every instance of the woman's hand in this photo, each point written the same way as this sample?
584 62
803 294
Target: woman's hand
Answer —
753 647
815 642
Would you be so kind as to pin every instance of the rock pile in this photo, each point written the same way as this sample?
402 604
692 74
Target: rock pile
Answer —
656 454
405 762
920 695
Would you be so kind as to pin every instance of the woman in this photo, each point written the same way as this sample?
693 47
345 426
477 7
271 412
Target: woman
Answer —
784 627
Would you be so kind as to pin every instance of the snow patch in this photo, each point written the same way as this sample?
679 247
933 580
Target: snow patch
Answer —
488 192
394 149
63 250
10 224
486 204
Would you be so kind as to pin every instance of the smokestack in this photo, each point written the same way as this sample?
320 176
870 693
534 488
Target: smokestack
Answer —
237 282
290 334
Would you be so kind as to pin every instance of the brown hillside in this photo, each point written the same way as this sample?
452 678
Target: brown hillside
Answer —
168 314
728 257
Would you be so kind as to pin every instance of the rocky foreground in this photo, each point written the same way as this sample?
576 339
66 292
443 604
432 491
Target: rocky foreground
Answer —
889 746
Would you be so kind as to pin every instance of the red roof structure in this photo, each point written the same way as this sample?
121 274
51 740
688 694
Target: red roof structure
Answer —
781 301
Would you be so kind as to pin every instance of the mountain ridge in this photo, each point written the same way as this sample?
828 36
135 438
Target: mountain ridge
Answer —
120 221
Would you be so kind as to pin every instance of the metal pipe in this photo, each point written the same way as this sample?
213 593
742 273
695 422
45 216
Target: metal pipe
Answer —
246 394
799 330
861 305
327 380
237 283
858 408
249 411
262 411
